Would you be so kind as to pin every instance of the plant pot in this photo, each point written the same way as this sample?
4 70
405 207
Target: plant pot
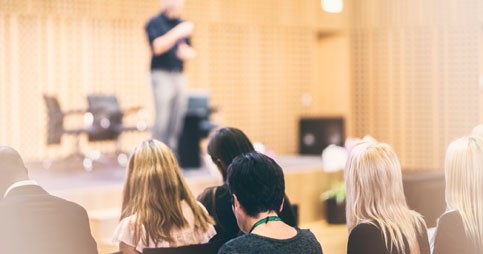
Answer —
335 212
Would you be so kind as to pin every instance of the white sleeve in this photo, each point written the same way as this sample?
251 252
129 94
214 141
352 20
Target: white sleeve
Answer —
124 232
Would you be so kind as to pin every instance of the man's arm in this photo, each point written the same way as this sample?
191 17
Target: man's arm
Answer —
163 43
185 52
86 241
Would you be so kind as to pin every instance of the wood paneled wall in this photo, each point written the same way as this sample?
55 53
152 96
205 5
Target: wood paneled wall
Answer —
255 57
415 66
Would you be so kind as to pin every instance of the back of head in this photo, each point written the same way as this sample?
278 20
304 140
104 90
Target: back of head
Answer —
258 183
12 168
478 131
152 167
464 184
225 145
154 190
33 221
375 194
172 8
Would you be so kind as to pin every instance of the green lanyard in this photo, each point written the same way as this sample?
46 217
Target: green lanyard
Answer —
265 220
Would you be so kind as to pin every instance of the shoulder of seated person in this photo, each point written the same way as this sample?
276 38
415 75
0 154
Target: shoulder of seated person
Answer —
206 191
200 204
230 246
451 214
237 240
220 190
365 228
303 230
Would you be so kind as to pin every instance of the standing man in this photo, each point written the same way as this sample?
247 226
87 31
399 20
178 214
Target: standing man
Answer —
32 220
169 38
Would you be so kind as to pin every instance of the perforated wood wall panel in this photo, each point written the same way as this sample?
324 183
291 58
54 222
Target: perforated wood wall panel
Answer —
255 57
415 77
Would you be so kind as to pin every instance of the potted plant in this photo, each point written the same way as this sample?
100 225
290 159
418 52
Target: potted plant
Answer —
333 162
335 203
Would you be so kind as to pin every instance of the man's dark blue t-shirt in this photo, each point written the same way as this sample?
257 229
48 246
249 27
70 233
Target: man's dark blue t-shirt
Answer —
158 26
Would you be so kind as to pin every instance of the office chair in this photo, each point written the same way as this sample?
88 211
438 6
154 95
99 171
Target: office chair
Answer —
56 130
107 121
197 125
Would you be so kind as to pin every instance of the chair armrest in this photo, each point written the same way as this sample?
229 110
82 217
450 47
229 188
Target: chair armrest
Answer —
74 112
131 110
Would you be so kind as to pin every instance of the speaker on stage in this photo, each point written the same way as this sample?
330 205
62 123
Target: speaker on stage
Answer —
315 134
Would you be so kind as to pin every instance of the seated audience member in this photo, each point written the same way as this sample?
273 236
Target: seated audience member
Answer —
158 209
32 220
478 131
223 147
460 229
257 186
378 217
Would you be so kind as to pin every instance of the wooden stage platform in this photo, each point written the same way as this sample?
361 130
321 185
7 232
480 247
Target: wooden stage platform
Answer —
100 190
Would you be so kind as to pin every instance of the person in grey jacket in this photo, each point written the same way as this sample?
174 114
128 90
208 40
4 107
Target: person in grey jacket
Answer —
257 185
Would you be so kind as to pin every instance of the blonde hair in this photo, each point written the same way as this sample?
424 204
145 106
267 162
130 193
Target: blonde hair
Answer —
464 184
478 131
375 196
153 192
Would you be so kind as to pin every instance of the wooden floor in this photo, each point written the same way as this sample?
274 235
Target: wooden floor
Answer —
333 238
100 192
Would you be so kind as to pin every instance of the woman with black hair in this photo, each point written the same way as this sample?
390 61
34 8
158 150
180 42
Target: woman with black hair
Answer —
223 147
257 186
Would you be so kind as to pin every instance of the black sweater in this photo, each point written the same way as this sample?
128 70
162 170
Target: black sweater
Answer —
450 236
367 238
304 243
219 207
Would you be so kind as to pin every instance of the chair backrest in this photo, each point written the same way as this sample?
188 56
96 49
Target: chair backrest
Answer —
424 191
107 117
55 123
198 104
206 248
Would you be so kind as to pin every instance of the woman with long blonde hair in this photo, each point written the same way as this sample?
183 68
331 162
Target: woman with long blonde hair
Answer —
378 217
460 229
158 209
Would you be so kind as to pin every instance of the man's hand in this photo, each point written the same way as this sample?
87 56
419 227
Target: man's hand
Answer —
185 52
180 32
